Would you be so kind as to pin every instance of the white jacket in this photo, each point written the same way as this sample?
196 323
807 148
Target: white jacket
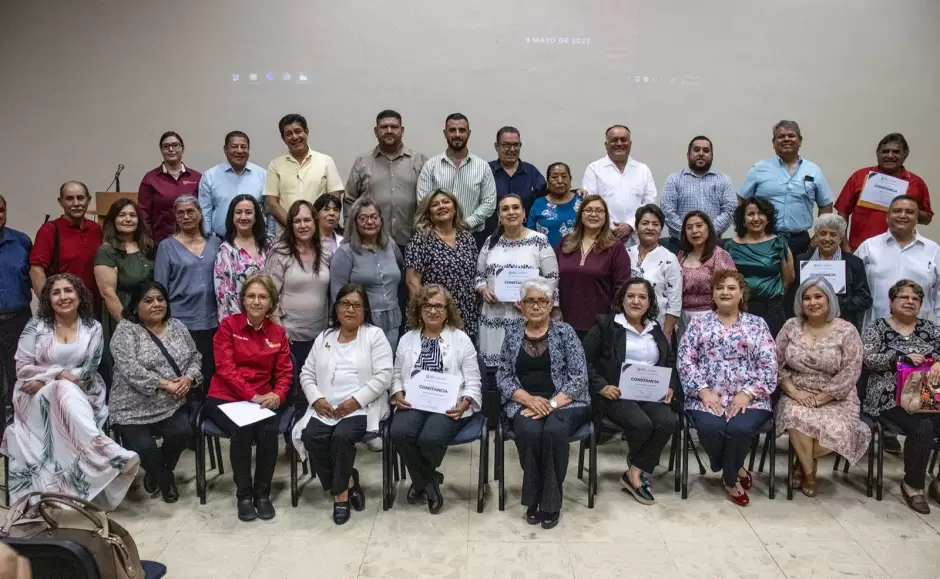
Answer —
374 363
460 359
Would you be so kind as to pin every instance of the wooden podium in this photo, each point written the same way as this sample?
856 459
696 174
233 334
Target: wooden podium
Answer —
105 199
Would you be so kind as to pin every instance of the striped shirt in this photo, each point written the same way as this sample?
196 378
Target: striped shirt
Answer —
471 183
685 192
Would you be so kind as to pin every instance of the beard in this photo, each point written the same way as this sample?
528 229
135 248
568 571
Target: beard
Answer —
704 168
457 145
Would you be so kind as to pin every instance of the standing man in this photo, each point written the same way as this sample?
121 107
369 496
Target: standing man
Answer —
867 222
623 182
698 188
220 184
389 174
14 298
67 244
512 175
792 184
300 174
464 174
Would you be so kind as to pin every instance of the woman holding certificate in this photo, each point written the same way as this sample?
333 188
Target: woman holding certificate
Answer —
728 369
509 256
633 336
436 344
346 379
543 381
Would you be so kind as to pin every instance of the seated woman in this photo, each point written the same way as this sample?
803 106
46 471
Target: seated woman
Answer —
633 336
156 363
346 379
820 360
252 363
56 443
542 379
902 336
436 343
728 369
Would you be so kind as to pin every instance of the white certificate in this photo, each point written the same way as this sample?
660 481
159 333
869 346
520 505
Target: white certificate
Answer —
880 189
244 413
509 282
433 391
644 383
832 270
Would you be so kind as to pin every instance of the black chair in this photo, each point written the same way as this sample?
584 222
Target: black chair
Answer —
476 429
57 559
586 435
875 455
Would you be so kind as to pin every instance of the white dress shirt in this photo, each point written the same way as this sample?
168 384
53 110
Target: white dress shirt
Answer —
623 192
641 347
886 262
661 268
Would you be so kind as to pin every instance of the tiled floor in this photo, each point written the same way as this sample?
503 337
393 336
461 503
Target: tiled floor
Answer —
840 533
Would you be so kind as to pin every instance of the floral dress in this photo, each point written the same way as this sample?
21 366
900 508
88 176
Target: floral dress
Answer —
451 267
56 443
830 366
555 221
233 265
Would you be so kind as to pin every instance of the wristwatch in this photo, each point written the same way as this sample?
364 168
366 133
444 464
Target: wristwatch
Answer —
553 403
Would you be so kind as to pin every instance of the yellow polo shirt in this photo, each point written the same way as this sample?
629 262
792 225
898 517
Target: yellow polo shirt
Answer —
289 180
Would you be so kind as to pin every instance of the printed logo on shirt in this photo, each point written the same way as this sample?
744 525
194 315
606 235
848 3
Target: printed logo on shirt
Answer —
188 182
271 344
239 337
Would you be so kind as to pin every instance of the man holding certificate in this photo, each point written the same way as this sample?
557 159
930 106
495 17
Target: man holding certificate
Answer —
631 373
436 384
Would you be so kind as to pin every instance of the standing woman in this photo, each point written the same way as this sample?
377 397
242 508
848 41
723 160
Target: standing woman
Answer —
160 188
763 258
301 273
510 246
369 258
327 208
657 265
184 266
442 252
124 261
699 257
242 255
556 214
592 265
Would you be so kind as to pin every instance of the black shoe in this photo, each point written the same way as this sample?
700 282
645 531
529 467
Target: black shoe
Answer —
341 512
150 484
892 445
435 498
170 494
246 510
533 515
643 494
265 508
550 520
415 495
357 498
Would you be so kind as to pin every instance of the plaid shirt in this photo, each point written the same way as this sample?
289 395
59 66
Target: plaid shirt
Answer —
685 192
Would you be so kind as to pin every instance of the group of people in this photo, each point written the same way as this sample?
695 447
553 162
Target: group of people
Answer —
241 285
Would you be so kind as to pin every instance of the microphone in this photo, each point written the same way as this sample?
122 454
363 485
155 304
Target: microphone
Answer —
120 168
117 178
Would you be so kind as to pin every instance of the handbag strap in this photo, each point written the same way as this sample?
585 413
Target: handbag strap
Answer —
166 354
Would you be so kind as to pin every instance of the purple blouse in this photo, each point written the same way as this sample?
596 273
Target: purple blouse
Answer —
586 291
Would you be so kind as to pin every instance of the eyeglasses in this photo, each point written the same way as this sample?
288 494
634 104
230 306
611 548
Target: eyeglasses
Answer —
171 146
914 299
374 218
344 305
542 303
594 211
433 308
510 146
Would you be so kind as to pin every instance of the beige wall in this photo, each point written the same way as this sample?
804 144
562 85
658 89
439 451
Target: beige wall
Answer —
87 85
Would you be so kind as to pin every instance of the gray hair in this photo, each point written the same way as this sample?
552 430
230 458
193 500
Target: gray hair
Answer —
788 125
539 284
186 199
201 226
352 224
824 286
831 221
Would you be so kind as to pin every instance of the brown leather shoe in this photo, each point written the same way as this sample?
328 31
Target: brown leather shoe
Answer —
809 482
917 503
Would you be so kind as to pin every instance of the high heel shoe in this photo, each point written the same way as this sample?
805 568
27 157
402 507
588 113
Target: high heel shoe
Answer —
742 500
809 482
746 481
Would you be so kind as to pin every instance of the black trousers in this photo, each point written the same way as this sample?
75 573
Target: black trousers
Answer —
728 442
770 310
263 435
203 340
332 450
421 438
543 453
159 462
11 326
920 430
798 242
648 427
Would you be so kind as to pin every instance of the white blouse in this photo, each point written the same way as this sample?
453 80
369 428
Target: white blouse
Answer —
640 347
661 268
345 379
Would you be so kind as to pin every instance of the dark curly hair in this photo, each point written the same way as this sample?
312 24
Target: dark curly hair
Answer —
764 206
86 306
652 313
452 317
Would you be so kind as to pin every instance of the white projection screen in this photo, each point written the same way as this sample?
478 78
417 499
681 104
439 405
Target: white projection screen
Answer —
88 84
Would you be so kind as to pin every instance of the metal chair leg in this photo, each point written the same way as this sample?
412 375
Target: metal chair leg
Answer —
212 465
581 449
201 465
685 460
592 468
218 454
294 490
879 484
835 464
790 453
768 442
500 441
754 443
773 458
871 468
698 459
674 461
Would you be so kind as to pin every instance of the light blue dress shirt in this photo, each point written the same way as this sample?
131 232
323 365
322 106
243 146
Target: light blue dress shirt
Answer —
220 184
792 196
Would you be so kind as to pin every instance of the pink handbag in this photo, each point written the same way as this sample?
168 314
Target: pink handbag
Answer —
914 394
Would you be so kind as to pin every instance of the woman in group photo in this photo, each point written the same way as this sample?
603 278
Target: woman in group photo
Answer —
327 209
657 265
699 257
241 255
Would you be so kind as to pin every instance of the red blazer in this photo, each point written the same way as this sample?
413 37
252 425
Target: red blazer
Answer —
250 361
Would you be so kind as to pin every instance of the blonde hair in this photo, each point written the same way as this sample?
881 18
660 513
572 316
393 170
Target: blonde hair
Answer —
452 319
268 283
605 238
423 225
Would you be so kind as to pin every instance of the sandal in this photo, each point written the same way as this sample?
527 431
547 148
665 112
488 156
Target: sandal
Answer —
809 481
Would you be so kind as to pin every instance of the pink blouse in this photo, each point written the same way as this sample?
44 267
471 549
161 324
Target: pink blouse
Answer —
697 282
